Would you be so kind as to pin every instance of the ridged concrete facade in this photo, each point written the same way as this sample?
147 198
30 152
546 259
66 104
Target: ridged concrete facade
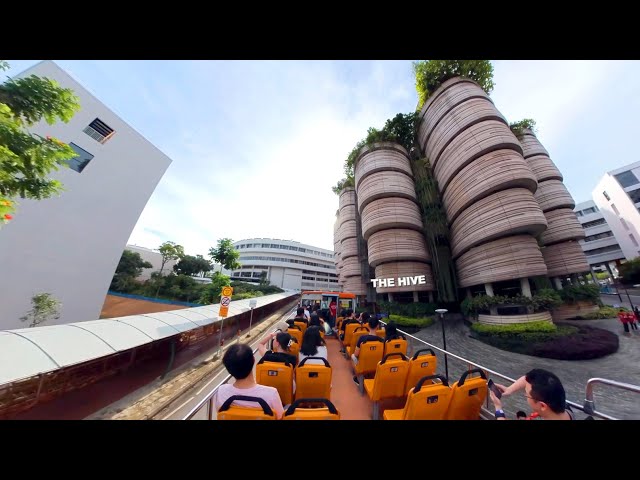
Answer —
346 244
390 217
561 250
486 185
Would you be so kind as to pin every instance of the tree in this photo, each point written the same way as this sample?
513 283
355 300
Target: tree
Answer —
263 279
43 307
630 271
225 254
26 159
131 264
129 267
170 251
212 292
190 265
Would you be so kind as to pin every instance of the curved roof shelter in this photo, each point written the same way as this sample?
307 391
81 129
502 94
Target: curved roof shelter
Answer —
27 352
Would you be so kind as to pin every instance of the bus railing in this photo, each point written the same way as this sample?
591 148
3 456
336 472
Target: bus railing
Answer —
588 407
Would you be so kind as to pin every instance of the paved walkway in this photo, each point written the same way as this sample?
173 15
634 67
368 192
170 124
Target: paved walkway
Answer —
623 366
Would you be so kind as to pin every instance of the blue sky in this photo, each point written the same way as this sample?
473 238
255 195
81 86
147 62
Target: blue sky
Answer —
269 138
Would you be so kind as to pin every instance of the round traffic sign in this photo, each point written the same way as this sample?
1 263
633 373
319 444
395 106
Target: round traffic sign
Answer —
225 301
226 291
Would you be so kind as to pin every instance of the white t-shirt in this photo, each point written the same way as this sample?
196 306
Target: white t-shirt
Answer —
307 315
322 352
269 394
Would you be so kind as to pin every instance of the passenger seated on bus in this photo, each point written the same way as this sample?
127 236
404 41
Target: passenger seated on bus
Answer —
238 360
316 321
545 395
313 346
520 415
391 331
372 337
279 348
307 313
298 318
350 317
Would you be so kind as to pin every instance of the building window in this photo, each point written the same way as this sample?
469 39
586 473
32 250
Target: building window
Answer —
634 196
594 223
633 240
613 207
626 179
82 160
589 210
579 213
624 224
606 195
598 236
99 131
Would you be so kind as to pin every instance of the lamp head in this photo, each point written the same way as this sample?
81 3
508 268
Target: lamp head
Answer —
442 311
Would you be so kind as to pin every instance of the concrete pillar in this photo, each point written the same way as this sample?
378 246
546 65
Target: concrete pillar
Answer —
557 282
489 289
415 297
390 297
525 287
593 275
431 300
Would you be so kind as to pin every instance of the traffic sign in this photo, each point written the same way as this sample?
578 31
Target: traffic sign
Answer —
225 301
227 291
223 312
252 303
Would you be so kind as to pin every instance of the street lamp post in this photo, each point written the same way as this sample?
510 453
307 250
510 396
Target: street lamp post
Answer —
441 312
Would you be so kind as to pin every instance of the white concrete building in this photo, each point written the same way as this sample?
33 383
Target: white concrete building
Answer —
69 246
289 265
154 258
617 196
600 245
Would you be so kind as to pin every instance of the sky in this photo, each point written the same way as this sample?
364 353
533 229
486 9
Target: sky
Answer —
257 145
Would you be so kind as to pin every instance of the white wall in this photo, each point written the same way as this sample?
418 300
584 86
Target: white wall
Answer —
624 222
155 259
70 245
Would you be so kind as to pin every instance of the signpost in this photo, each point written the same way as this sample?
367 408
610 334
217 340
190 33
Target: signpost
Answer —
441 312
225 301
252 303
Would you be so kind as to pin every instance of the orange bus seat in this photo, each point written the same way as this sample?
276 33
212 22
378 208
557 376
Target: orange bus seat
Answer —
295 332
424 402
301 325
278 375
313 380
397 345
294 348
468 395
348 332
421 365
235 412
389 382
296 412
370 356
351 346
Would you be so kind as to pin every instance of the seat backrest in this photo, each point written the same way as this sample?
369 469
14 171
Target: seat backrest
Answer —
348 332
295 332
297 412
428 402
468 395
262 410
381 332
301 325
278 375
422 364
313 380
357 333
294 348
370 355
397 345
391 377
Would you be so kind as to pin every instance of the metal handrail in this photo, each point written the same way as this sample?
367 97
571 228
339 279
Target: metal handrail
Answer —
586 408
208 399
589 402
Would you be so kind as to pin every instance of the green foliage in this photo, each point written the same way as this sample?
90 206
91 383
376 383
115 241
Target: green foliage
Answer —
245 295
190 265
349 181
606 311
212 291
579 292
602 275
514 328
430 74
518 128
225 254
170 251
404 321
413 309
243 287
43 307
544 300
27 160
131 264
630 271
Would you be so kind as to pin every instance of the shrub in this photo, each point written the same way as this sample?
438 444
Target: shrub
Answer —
518 127
403 321
430 74
544 300
414 309
575 293
606 311
514 328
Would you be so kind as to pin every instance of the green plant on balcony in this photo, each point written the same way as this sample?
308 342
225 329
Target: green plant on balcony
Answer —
518 128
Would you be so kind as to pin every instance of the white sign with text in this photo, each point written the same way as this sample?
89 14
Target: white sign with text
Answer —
399 282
